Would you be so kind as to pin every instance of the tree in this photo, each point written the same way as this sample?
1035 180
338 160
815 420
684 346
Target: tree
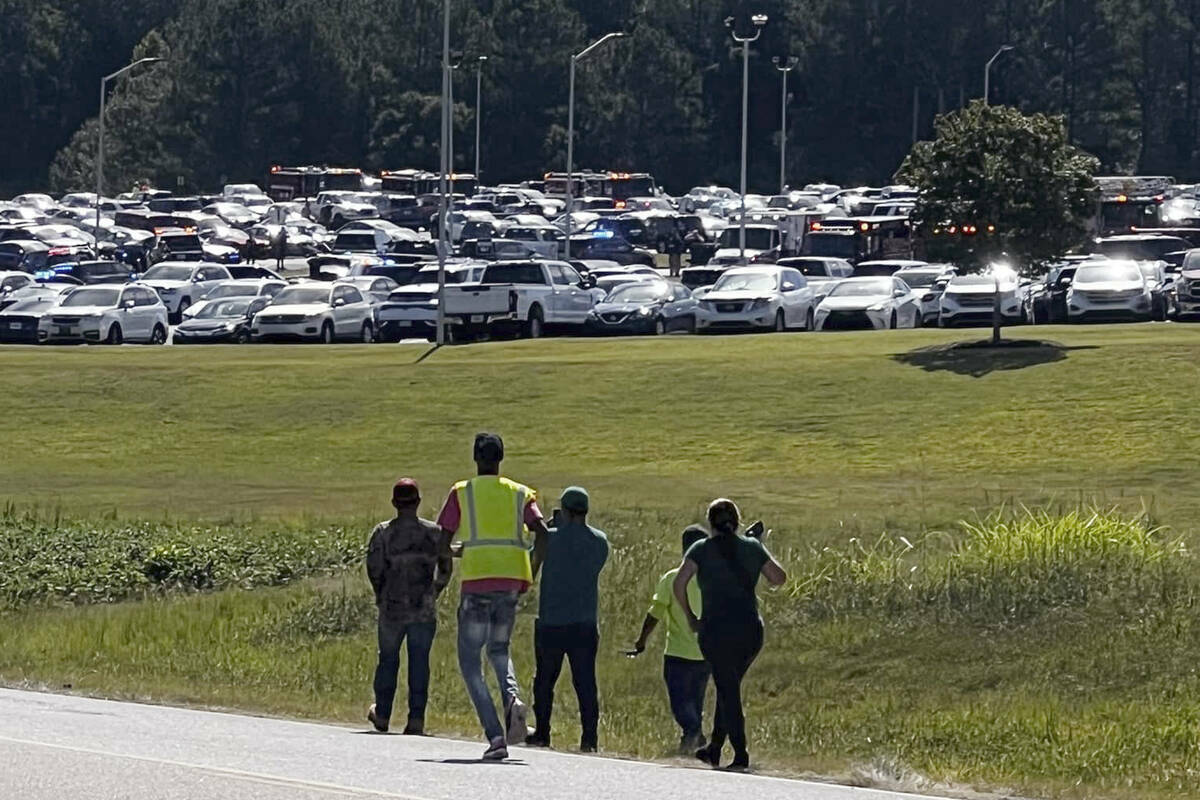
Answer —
996 184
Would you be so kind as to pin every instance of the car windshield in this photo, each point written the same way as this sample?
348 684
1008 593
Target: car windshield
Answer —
1149 269
1101 273
812 268
92 297
862 289
756 238
983 280
430 275
746 282
917 280
639 293
233 290
224 309
165 273
302 295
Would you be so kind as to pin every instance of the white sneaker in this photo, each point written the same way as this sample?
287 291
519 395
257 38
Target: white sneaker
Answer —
517 719
497 750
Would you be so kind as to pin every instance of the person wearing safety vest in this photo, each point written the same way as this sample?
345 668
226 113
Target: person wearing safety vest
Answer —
492 517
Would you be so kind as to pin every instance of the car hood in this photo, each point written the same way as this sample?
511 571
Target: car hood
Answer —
975 291
737 296
80 311
1190 274
1108 286
853 303
358 208
207 324
622 308
297 308
736 252
165 284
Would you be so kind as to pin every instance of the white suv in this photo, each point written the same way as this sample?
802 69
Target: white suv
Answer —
1109 290
181 283
108 314
317 311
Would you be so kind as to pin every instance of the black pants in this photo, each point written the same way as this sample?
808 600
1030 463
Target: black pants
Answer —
730 649
578 643
687 683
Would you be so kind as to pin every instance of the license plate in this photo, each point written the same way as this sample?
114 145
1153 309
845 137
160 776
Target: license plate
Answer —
477 318
64 330
15 326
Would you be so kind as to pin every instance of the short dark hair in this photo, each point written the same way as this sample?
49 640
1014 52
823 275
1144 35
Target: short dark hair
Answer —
489 448
693 534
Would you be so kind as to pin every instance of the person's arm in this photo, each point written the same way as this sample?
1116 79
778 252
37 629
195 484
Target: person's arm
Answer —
449 519
445 562
541 540
686 573
648 626
375 565
772 571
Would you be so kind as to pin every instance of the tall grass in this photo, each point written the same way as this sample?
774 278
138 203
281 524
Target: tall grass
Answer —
1004 568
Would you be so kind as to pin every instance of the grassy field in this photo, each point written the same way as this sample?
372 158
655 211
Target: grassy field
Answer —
1051 657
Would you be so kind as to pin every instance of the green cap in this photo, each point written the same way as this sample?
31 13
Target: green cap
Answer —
575 498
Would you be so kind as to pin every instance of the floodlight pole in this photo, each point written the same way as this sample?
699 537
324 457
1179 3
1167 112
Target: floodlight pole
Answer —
759 21
100 143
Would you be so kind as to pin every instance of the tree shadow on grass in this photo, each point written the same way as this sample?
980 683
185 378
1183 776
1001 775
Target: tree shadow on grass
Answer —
977 359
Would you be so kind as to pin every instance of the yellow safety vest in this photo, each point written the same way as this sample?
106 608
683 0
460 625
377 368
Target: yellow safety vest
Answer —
493 528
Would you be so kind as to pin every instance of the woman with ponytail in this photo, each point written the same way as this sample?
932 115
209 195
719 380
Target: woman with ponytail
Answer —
727 566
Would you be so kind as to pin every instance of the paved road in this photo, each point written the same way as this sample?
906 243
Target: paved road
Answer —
54 747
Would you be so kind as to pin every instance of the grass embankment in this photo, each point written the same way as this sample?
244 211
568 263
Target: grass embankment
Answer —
1048 656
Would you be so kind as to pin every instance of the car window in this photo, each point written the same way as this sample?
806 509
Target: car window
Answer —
528 273
794 276
572 276
352 295
558 276
682 292
272 289
145 297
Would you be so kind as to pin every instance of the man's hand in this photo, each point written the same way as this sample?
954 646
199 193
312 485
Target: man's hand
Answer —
639 647
694 623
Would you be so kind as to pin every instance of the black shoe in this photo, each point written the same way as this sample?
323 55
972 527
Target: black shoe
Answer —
381 725
690 743
738 765
588 747
537 740
415 727
709 756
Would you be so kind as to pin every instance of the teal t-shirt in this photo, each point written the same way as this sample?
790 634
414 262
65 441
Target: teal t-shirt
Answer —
728 578
575 555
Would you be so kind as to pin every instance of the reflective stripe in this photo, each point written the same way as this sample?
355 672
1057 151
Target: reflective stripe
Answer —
470 492
520 537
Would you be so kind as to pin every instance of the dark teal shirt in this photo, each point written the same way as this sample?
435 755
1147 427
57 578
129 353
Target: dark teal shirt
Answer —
575 555
727 572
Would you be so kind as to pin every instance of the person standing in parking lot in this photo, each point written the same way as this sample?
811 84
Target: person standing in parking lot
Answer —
727 566
408 564
280 247
685 671
567 618
492 515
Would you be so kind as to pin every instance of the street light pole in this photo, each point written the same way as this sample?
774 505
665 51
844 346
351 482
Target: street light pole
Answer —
784 65
444 204
759 21
100 143
478 108
987 74
571 126
450 131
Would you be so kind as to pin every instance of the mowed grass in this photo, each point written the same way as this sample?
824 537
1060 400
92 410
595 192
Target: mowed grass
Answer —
1050 657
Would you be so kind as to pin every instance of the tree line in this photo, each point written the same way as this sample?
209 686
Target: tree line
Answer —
249 83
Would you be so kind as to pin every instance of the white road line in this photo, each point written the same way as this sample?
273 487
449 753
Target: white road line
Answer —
256 777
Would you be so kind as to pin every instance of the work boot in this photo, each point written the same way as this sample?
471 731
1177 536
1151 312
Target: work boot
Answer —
691 742
709 755
497 750
536 739
516 717
415 727
587 747
381 725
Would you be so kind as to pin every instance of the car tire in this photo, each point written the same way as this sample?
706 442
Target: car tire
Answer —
326 335
691 328
660 327
535 325
158 335
114 335
780 322
892 321
242 337
810 320
368 335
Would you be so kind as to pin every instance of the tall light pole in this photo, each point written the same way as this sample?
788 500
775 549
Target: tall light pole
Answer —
478 108
100 144
784 65
987 73
571 125
455 63
444 205
759 21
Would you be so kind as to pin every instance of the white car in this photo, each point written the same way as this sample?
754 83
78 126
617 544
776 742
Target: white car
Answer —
1109 290
316 311
765 298
969 300
246 287
869 304
335 208
411 310
927 284
108 314
180 283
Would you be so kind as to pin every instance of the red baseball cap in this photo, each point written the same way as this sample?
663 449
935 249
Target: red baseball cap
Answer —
406 491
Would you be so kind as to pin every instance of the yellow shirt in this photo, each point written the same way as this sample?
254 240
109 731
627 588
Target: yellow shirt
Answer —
681 640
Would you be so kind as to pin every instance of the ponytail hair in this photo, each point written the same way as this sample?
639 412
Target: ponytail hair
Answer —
724 518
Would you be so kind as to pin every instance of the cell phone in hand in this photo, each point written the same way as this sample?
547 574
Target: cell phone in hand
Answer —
756 530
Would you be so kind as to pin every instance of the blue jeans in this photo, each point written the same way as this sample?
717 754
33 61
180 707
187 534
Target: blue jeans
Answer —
486 620
687 683
420 640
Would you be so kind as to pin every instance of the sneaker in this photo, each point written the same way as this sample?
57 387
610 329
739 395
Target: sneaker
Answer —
415 727
536 739
516 716
497 750
381 725
741 765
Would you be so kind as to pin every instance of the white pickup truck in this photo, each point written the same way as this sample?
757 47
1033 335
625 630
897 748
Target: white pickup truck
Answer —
526 297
